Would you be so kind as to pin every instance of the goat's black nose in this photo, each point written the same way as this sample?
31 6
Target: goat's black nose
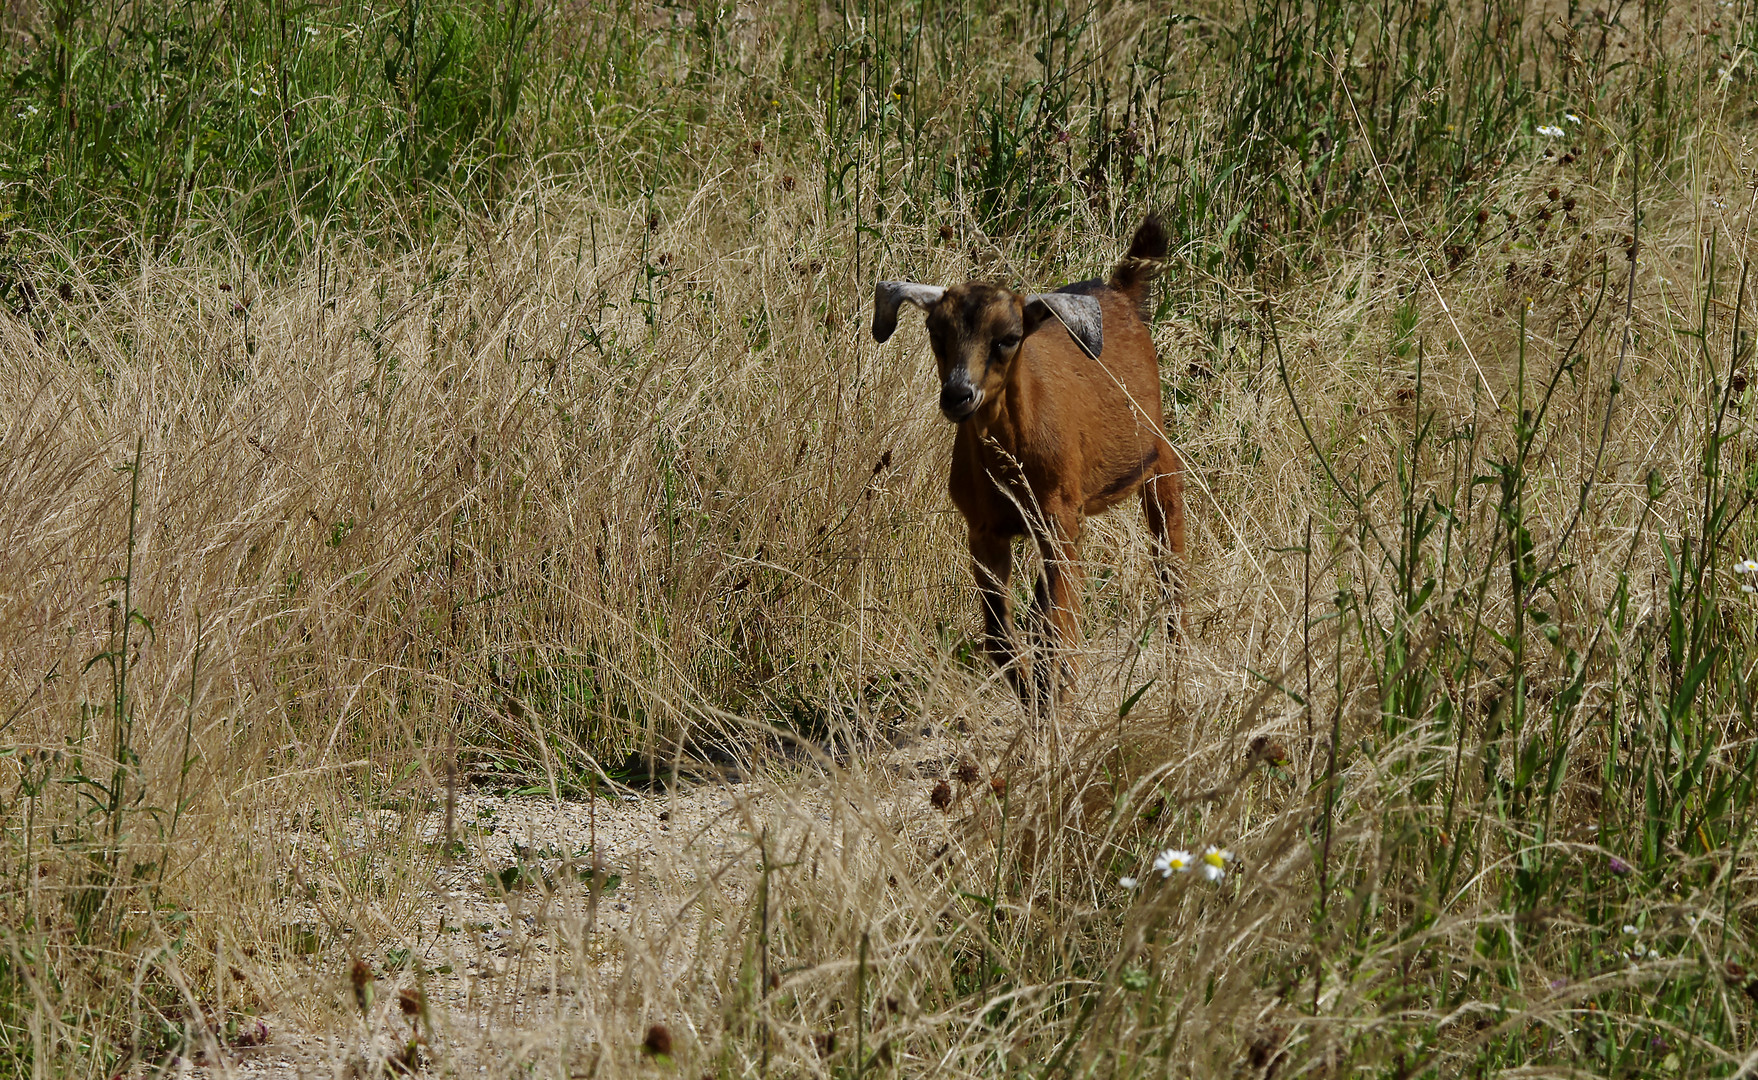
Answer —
956 398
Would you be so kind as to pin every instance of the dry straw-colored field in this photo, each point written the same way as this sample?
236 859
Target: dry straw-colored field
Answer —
369 570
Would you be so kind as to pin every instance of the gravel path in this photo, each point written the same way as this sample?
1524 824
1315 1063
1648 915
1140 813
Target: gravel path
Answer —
501 919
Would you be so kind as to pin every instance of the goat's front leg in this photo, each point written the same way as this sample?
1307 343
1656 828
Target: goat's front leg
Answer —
1059 604
992 565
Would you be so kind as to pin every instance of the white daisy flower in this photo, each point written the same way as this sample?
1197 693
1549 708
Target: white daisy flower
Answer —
1629 928
1551 131
1215 861
1172 861
1128 882
1746 566
1571 118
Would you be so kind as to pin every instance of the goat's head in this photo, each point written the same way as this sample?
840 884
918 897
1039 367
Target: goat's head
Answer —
976 330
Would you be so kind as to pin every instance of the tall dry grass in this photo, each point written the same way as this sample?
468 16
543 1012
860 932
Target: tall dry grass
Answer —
595 482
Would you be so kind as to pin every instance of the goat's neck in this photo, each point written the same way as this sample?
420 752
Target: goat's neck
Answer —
1008 418
992 421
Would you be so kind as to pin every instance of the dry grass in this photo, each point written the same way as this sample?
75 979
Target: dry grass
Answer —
580 486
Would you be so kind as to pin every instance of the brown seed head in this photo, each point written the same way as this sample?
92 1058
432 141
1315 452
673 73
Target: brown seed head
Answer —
409 1001
360 977
941 796
658 1040
1263 749
998 784
967 771
787 183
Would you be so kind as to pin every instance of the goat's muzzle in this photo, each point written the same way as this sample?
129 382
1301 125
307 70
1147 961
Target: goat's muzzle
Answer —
958 400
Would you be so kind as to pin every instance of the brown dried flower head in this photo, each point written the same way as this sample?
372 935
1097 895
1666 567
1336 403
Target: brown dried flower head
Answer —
941 796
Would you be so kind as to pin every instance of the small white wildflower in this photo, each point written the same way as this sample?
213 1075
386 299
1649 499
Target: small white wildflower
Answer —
1215 862
1571 118
1629 928
255 92
1749 588
1746 566
1551 131
1172 861
1128 882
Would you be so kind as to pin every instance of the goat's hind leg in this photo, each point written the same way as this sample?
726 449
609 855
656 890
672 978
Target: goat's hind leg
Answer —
1162 502
992 565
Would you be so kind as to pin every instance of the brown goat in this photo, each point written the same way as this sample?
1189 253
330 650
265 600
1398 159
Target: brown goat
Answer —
1057 401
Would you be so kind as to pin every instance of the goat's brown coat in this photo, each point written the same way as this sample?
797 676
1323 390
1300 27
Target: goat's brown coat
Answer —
1054 436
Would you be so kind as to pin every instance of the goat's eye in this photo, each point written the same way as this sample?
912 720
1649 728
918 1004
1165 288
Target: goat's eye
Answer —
1005 343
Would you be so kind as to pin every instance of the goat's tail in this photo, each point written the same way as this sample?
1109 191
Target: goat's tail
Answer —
1142 263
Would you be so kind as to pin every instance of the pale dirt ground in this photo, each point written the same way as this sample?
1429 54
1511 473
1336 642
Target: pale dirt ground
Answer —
500 970
494 965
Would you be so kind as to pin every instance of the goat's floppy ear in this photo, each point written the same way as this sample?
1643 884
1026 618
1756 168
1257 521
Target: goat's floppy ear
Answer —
889 295
1081 314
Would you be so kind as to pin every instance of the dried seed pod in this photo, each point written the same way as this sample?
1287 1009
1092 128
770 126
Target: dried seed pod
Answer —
360 977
